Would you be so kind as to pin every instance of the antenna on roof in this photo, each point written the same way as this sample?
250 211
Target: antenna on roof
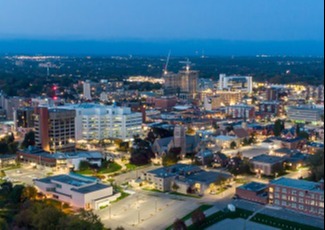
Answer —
187 64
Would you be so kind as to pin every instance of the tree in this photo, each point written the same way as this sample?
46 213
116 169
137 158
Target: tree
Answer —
84 165
198 217
29 193
278 128
303 134
13 147
172 157
246 142
175 187
141 153
316 164
29 140
91 218
179 225
3 224
233 145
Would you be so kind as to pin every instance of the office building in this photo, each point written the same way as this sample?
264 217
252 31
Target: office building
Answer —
221 99
298 195
87 90
24 117
78 191
99 122
236 83
55 129
240 112
305 114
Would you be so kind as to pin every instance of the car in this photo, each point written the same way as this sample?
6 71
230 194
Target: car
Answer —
18 171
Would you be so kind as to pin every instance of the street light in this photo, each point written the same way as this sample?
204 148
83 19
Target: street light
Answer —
139 216
110 211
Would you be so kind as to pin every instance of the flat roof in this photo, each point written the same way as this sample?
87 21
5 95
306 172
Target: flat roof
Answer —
267 159
208 177
254 186
91 188
67 179
298 184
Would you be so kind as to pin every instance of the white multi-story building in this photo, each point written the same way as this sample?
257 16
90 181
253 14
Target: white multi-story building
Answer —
236 83
305 114
87 90
98 122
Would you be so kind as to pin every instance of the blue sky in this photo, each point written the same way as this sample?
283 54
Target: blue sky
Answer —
272 20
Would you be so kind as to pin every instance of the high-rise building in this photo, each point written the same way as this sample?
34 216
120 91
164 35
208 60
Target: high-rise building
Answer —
98 122
185 83
87 90
189 82
241 111
239 83
24 117
305 114
55 129
272 94
222 98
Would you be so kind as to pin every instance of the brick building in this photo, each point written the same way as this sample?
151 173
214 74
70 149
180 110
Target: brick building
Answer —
298 195
255 192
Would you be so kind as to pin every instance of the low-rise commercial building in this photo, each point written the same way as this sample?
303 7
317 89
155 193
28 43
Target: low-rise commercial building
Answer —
267 165
185 179
255 192
76 190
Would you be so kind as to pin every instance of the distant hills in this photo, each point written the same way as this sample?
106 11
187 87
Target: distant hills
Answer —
161 48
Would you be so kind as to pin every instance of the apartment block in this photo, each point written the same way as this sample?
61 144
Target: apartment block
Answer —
298 195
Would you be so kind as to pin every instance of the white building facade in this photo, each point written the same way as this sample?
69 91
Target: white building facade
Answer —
99 122
77 191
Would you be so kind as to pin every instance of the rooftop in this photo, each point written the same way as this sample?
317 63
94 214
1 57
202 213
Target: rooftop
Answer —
72 179
297 184
267 159
208 177
91 188
254 186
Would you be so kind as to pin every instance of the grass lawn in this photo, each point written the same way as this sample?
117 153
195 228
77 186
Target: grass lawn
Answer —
123 196
12 167
186 195
189 216
259 218
152 190
280 223
113 167
132 167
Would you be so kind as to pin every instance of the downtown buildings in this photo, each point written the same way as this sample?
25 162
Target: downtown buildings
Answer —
99 122
60 128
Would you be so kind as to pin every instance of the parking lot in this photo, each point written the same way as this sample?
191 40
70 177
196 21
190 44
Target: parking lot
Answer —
26 174
146 211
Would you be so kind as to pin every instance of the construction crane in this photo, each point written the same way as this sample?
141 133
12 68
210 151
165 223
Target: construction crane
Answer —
167 63
187 64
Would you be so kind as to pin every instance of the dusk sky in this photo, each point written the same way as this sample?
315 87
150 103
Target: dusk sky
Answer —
163 19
